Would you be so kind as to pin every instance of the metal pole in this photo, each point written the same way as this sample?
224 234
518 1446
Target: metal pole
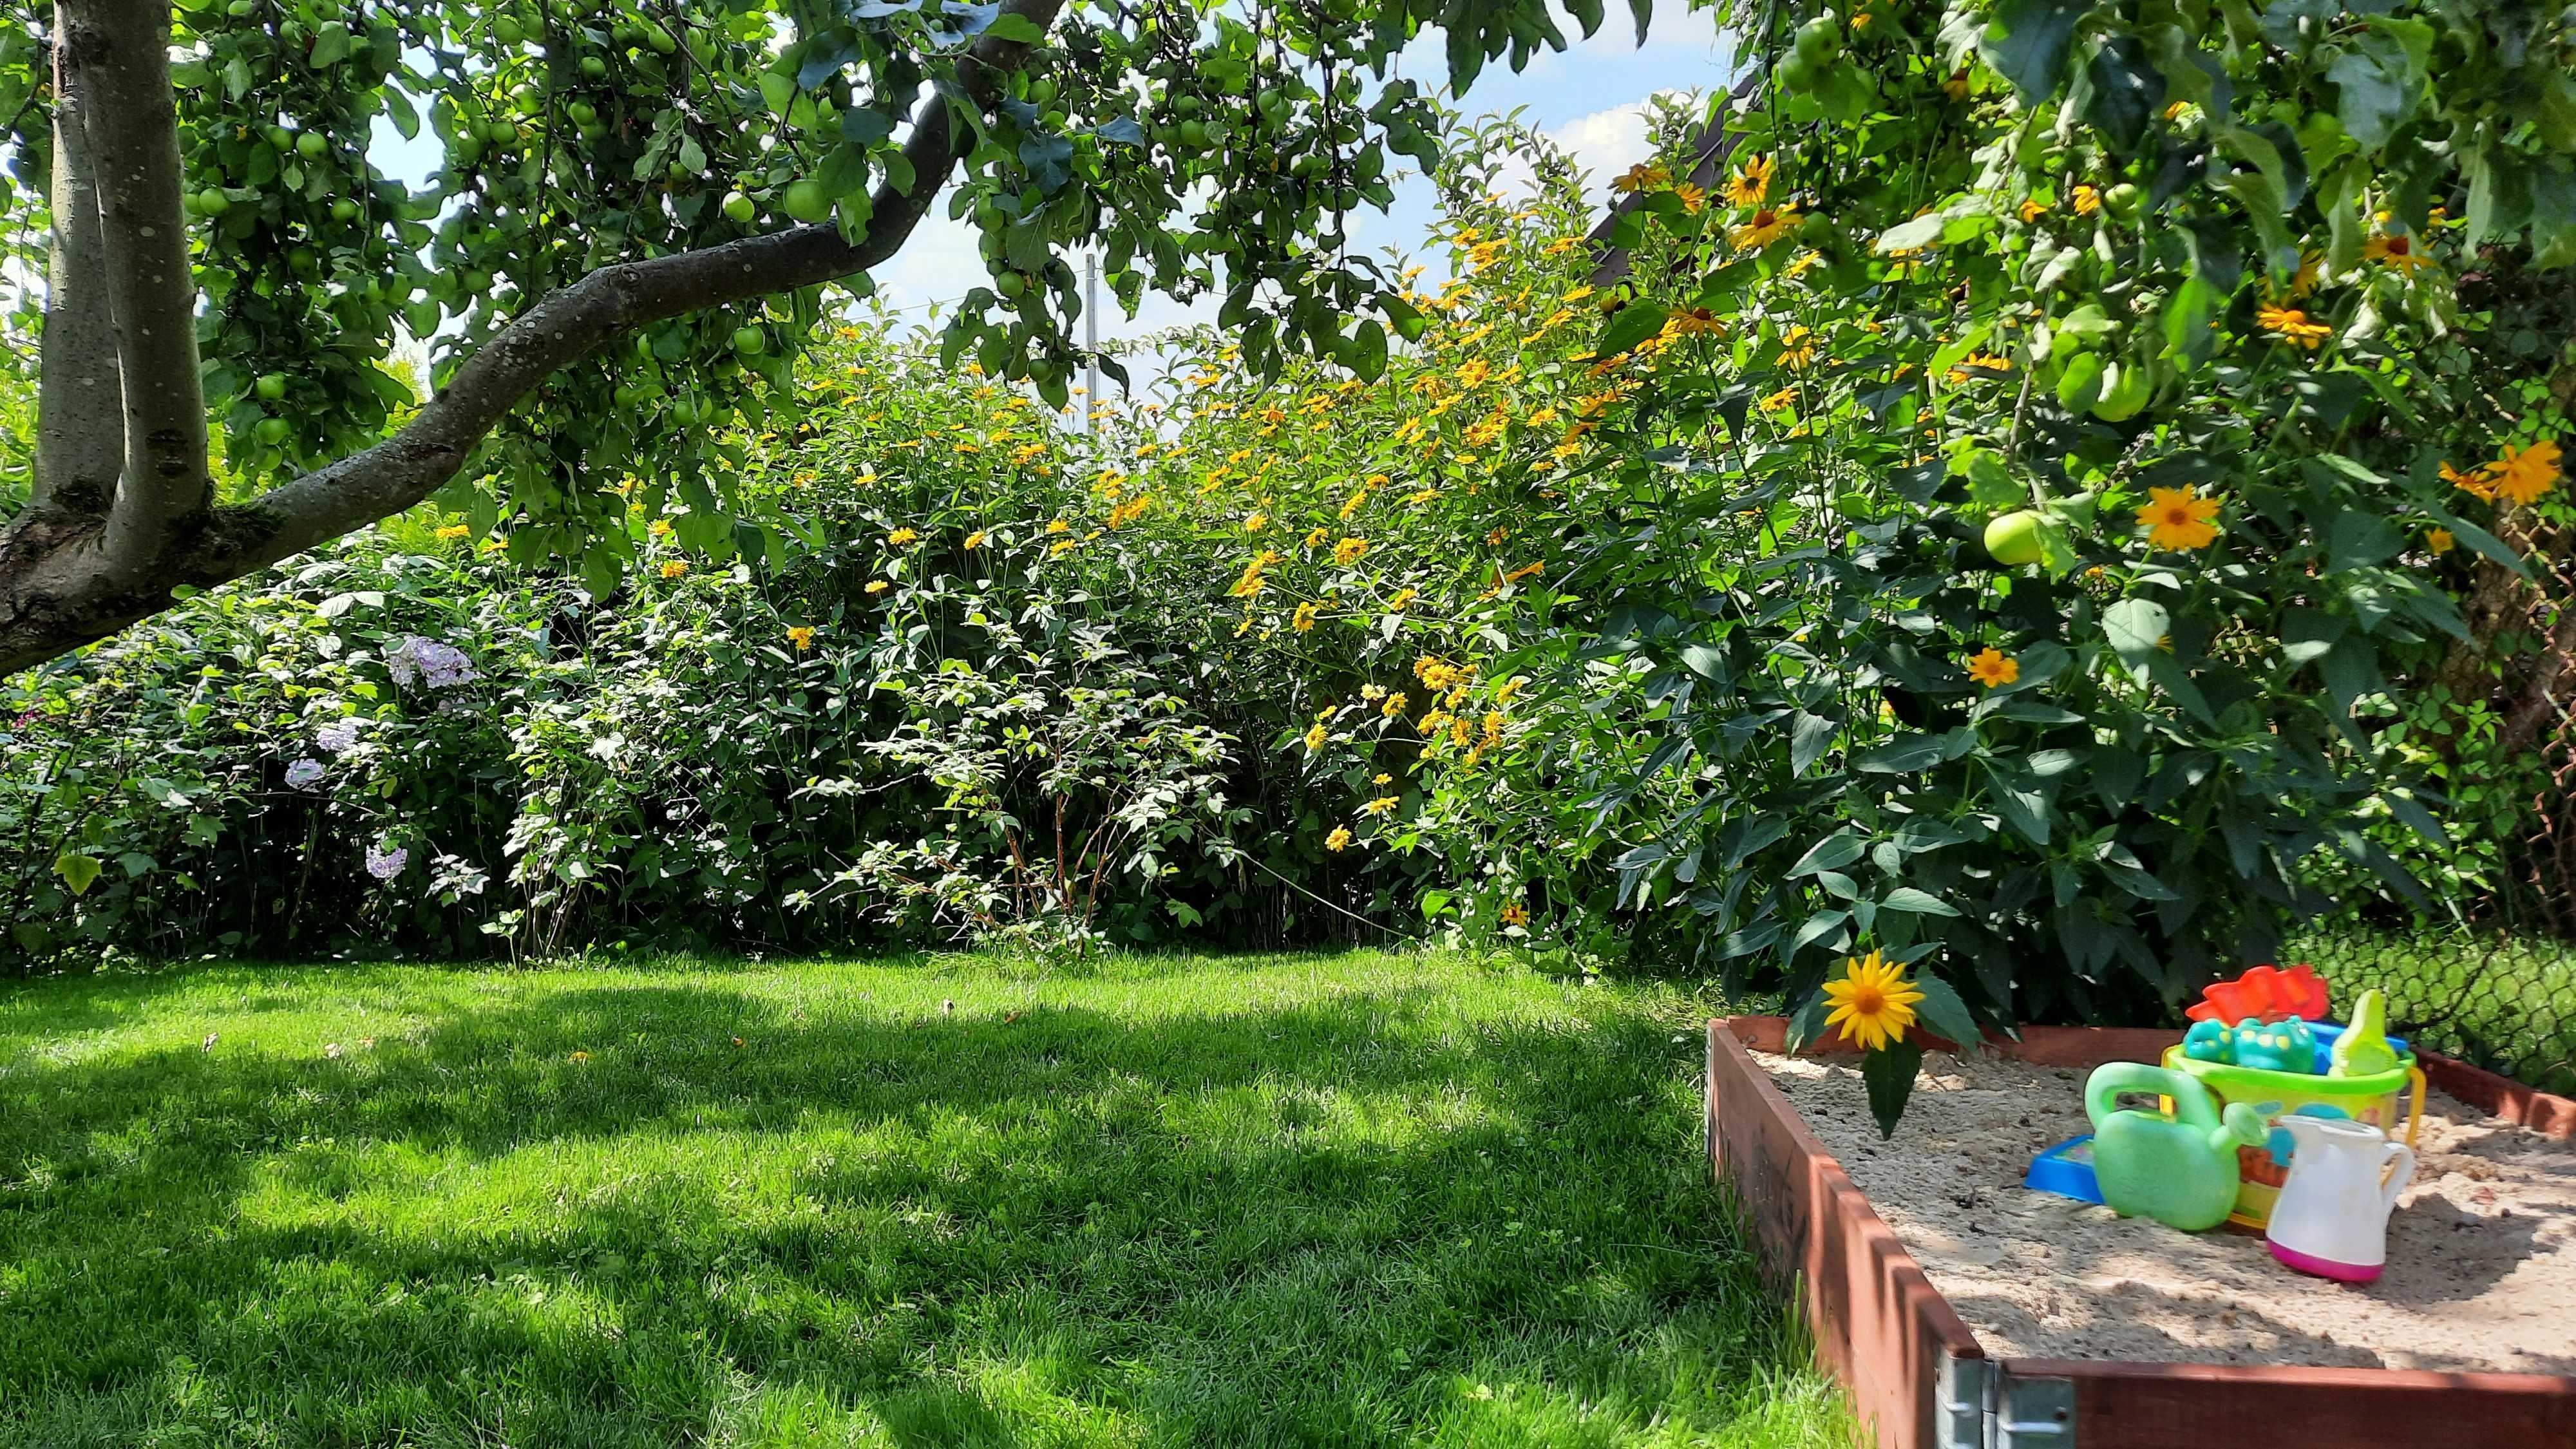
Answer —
1091 336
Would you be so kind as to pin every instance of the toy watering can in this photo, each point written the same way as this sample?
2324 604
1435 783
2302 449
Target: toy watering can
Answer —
2332 1217
2178 1169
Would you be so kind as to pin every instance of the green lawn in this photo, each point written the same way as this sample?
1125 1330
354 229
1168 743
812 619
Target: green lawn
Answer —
1359 1199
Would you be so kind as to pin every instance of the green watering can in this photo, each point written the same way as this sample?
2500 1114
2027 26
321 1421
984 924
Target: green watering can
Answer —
2179 1170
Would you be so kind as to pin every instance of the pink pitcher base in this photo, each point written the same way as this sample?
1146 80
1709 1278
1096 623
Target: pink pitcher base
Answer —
2326 1267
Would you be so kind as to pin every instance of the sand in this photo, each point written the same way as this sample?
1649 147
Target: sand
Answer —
2481 1250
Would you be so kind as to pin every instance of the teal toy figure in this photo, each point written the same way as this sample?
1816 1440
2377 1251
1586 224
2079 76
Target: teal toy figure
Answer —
2180 1170
2276 1046
2363 1049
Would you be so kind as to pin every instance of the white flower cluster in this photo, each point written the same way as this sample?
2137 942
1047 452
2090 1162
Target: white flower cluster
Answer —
440 666
304 774
338 737
385 864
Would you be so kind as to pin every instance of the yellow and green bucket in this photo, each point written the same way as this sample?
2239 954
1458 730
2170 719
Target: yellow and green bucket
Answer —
2371 1100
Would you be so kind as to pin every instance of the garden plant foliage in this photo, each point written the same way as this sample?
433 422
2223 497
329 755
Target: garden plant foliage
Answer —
2009 512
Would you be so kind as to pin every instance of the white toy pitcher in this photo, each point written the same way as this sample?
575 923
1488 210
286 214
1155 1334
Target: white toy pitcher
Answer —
2332 1219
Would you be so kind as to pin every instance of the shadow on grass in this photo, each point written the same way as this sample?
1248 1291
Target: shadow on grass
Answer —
1360 1217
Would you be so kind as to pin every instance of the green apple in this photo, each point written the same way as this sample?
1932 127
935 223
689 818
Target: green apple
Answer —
2126 387
582 112
594 68
270 387
508 30
750 341
212 202
1011 285
1194 136
2014 538
271 431
344 210
806 200
312 145
738 208
1819 41
280 138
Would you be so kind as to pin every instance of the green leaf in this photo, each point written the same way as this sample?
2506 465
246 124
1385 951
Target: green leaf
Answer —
2127 92
1889 1075
2307 634
2136 629
1807 1022
1629 326
2356 539
398 109
1943 1012
330 44
2028 40
1809 736
1831 853
1916 902
77 870
1018 28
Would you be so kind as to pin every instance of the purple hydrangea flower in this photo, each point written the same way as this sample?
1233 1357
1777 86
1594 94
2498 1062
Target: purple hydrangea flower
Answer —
385 864
440 666
305 774
338 737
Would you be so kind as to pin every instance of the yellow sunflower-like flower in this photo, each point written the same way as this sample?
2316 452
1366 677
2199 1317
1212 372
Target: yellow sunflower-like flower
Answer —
1316 737
2292 326
2524 474
2439 540
1644 176
902 536
1394 707
1873 1002
2179 518
1516 914
1349 551
1305 617
977 538
1994 668
1785 397
676 568
878 586
1751 183
1381 805
2397 251
2087 200
1340 838
802 636
455 531
1765 227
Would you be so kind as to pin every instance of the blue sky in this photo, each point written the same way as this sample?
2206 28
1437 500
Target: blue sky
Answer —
1591 99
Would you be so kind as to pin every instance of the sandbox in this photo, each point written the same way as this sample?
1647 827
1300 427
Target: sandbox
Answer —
2091 1332
2481 1250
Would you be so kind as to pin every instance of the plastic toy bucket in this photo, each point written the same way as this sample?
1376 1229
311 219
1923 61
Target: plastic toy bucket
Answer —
2262 1170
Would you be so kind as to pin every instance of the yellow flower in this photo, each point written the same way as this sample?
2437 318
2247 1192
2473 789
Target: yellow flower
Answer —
1394 707
1315 738
2524 474
455 531
1692 197
1380 805
1516 914
659 528
802 636
674 569
1873 1003
901 536
1305 618
1766 227
1381 778
2395 251
2292 326
878 586
2087 200
2438 540
1785 397
1956 87
2032 211
2478 482
1644 176
1339 839
1257 522
977 538
1349 551
1797 348
1403 599
1316 535
581 1056
1751 183
1994 668
1986 363
2179 518
1058 525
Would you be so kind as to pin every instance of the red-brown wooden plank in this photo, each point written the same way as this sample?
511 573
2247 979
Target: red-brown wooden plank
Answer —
2121 1405
1877 1319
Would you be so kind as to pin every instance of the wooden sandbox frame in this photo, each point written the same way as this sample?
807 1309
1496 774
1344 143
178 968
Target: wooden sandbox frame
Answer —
1914 1368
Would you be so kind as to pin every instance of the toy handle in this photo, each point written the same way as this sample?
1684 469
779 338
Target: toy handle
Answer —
2396 1169
2102 1091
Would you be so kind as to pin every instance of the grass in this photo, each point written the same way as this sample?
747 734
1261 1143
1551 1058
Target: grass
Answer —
1349 1200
